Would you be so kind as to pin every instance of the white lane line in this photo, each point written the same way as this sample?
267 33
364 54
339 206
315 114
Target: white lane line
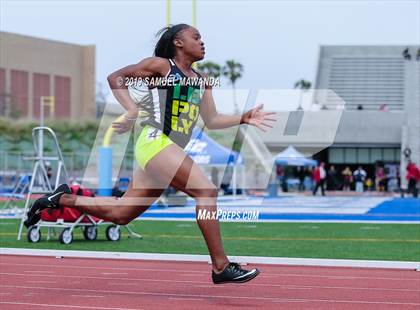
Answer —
205 258
41 281
5 293
38 271
207 272
31 294
342 277
179 298
349 301
122 283
200 296
286 286
88 296
209 286
113 273
63 306
291 286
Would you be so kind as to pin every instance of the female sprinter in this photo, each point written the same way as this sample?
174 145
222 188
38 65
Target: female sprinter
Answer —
173 110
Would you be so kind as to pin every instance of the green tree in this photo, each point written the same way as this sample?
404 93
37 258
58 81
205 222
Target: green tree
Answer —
210 68
303 85
233 71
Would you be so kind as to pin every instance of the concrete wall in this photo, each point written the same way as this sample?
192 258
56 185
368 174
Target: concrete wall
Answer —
411 129
356 128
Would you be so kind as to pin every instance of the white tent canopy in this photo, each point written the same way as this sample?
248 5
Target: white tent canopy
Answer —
291 157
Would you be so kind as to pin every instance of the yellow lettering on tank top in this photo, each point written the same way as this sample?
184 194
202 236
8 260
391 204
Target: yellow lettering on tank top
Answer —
175 107
174 123
187 125
185 113
194 111
184 107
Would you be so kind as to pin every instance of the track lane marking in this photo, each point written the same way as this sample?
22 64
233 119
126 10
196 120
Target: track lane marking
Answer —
207 272
63 306
273 299
382 240
349 301
287 286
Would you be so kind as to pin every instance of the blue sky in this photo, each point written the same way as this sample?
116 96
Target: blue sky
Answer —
276 41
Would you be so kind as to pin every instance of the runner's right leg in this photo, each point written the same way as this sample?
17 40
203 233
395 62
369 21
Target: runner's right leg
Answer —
143 190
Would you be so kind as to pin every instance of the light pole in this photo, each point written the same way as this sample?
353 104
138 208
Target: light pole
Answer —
168 12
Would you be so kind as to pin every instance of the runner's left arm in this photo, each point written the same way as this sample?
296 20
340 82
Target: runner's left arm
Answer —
215 120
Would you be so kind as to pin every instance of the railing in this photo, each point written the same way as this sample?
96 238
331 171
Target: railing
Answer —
13 164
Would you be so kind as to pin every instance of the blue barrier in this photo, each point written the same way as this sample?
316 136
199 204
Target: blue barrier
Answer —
105 171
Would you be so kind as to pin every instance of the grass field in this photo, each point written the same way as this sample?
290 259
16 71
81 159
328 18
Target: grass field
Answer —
306 240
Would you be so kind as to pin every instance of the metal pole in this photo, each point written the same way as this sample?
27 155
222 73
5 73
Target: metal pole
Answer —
234 184
41 124
168 12
194 13
194 22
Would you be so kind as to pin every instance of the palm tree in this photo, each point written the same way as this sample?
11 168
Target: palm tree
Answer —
233 71
303 85
210 68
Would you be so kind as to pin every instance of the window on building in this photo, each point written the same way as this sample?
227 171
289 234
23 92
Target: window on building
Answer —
350 155
363 156
336 155
389 155
62 87
19 93
376 155
41 88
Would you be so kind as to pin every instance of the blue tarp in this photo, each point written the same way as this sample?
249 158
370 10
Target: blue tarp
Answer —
204 150
291 157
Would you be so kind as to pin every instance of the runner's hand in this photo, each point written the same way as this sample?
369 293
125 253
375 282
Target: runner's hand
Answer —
125 123
258 118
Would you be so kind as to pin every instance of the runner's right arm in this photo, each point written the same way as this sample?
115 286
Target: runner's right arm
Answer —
148 67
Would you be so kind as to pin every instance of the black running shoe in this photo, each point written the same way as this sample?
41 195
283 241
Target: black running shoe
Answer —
233 273
46 201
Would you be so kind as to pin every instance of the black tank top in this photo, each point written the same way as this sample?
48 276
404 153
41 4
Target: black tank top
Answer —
174 105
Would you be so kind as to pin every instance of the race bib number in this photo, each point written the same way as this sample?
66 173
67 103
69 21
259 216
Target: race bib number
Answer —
154 134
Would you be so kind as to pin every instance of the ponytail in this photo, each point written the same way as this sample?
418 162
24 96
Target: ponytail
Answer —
165 47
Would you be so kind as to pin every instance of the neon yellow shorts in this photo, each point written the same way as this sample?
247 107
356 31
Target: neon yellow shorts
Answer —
149 143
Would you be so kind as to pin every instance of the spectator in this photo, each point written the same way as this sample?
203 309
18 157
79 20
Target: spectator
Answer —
301 176
319 176
348 178
359 178
418 55
413 177
332 180
369 184
383 108
281 177
406 54
308 183
380 179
